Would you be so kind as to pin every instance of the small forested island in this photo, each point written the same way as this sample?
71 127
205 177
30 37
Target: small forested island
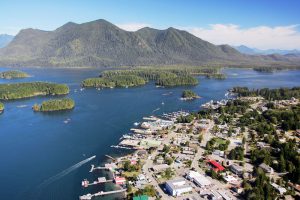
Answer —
55 105
30 89
189 95
164 76
1 107
13 74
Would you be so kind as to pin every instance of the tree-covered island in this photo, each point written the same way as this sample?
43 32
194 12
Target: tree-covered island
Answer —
11 74
114 81
30 89
162 76
55 105
189 95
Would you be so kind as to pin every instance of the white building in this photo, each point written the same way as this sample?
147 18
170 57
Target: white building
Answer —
177 187
198 179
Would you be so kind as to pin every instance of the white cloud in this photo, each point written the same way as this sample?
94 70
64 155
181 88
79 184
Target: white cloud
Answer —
132 26
262 37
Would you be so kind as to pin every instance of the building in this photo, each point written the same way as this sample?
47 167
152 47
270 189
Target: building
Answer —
159 168
266 168
231 179
218 153
198 179
178 187
279 189
236 169
120 180
216 166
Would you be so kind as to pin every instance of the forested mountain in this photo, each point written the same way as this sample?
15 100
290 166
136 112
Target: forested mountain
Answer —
100 43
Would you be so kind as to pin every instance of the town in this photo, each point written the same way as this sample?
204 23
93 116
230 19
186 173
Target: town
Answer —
245 147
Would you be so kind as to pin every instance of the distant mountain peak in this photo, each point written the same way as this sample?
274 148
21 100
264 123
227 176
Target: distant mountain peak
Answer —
5 39
254 51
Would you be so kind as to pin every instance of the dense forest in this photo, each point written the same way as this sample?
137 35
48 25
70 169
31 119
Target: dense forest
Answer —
30 89
114 81
269 94
13 74
55 105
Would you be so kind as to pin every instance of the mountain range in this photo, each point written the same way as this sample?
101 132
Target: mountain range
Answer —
5 39
254 51
100 43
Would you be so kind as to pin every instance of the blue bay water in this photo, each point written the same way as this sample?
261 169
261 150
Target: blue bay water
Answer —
36 146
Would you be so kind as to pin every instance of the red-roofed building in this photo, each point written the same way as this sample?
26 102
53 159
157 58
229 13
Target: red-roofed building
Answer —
216 166
120 180
133 162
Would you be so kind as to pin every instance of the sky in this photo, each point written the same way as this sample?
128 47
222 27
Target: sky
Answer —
263 24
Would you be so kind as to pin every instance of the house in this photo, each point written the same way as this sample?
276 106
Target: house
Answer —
266 168
216 166
279 189
230 179
177 187
141 177
236 169
120 180
218 153
198 179
159 168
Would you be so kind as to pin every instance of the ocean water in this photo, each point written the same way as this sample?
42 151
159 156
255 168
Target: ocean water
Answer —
44 158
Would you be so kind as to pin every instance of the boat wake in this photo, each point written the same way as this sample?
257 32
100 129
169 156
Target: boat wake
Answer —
157 109
65 172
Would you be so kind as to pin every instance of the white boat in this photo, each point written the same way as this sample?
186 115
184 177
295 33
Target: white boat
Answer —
136 123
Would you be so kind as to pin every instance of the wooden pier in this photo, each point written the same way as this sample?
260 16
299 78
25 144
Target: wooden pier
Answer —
93 168
101 193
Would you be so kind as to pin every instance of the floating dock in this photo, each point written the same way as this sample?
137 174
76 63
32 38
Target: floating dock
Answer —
101 193
93 168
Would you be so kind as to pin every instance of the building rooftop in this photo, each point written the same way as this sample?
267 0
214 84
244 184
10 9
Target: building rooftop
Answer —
178 183
217 165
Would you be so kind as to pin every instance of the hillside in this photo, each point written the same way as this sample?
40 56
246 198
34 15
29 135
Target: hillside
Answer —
100 43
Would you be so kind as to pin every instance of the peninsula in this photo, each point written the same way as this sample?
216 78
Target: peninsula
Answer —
55 105
12 74
24 90
245 145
